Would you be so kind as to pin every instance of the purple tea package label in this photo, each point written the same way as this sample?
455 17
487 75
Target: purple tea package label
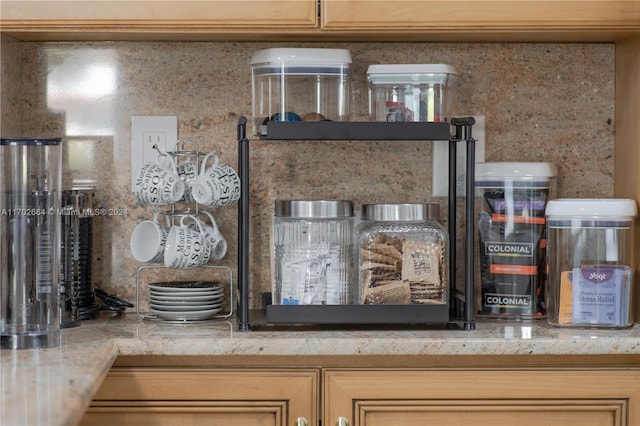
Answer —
597 294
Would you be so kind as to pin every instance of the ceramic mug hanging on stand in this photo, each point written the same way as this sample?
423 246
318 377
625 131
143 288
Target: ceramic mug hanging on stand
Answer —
186 246
217 186
216 240
158 184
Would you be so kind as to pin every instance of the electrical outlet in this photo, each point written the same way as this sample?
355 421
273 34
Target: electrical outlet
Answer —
440 180
148 132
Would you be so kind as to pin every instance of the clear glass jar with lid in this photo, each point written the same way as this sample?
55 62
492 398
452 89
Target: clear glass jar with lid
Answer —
312 252
402 254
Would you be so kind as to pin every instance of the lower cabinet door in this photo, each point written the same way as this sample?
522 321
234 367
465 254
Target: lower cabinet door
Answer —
565 397
212 397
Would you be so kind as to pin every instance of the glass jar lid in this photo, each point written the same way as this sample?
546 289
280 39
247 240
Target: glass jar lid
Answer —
314 209
30 141
401 212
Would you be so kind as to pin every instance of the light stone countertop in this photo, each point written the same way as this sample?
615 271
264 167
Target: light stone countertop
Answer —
55 386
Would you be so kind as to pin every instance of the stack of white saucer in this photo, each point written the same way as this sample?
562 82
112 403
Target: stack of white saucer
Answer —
186 301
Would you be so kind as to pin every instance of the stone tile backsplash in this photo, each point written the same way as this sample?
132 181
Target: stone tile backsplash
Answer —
542 102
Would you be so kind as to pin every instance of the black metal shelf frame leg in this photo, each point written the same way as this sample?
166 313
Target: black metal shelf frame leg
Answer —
452 226
463 134
469 236
243 227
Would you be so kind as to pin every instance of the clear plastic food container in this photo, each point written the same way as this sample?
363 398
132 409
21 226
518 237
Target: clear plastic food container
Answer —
591 262
300 84
411 92
511 198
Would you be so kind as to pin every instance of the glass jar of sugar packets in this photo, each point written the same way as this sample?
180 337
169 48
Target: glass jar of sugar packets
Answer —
591 262
312 252
402 254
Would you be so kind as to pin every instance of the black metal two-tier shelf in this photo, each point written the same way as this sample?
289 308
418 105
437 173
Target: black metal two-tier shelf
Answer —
458 312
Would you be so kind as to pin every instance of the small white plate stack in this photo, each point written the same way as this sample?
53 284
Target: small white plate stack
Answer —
186 301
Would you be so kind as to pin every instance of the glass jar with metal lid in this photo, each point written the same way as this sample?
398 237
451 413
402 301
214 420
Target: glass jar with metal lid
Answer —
402 253
312 252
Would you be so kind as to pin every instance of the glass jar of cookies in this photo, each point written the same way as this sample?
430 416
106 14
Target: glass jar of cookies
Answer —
402 252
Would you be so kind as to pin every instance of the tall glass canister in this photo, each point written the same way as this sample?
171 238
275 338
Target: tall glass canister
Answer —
312 252
30 242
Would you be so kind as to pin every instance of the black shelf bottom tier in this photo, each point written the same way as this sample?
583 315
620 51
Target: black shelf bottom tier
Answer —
352 317
357 314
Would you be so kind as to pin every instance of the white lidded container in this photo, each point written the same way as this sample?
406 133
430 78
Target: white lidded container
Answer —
591 262
312 252
412 92
295 84
511 198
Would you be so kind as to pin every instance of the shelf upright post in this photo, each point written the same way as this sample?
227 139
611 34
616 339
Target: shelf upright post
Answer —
451 225
464 134
470 209
243 226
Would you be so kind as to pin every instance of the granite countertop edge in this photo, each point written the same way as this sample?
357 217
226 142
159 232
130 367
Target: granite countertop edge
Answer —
55 386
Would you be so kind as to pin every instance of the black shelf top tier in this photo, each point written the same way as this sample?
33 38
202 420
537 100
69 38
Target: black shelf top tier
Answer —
357 130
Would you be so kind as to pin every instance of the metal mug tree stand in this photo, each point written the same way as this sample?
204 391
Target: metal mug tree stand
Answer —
458 312
181 152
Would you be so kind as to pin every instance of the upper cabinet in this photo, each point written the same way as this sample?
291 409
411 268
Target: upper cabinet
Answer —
154 19
499 20
300 20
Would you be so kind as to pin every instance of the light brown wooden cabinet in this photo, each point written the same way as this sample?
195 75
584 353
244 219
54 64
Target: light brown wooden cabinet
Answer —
465 15
483 397
203 396
153 20
406 20
564 396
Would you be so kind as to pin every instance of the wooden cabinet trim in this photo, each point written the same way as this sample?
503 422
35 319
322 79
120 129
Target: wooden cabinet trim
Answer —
188 13
468 383
627 143
123 383
380 361
516 14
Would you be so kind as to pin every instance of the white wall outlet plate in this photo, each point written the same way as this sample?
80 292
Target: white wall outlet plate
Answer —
148 131
440 179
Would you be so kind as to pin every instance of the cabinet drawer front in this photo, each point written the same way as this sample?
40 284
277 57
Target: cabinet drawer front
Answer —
484 397
167 414
199 394
177 384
